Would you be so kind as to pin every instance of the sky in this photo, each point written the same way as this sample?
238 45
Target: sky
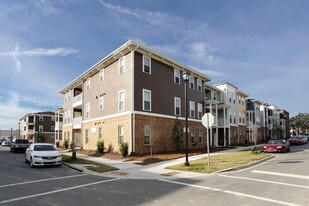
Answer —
262 47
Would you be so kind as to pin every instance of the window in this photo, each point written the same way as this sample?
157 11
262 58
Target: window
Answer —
230 98
176 76
192 109
69 116
230 118
101 76
65 97
199 85
40 128
192 132
200 136
65 117
69 96
52 118
121 101
234 101
65 134
52 128
120 135
101 103
68 136
88 84
100 133
86 136
147 133
200 110
146 100
41 118
191 82
87 110
147 64
177 106
122 65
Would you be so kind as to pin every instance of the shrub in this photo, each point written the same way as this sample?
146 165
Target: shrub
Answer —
66 144
100 146
124 149
177 135
57 144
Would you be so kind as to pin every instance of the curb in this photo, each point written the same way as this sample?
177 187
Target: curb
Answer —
73 167
251 164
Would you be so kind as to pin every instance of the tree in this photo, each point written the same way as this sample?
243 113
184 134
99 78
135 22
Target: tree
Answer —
300 123
40 138
277 131
177 135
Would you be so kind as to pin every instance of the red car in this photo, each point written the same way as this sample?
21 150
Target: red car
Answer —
276 145
296 140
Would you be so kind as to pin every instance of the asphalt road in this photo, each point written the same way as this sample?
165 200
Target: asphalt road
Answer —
283 180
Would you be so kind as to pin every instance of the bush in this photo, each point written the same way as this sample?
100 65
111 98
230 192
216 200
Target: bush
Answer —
100 146
57 144
66 144
124 149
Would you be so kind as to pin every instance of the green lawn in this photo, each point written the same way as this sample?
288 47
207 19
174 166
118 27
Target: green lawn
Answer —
100 168
220 162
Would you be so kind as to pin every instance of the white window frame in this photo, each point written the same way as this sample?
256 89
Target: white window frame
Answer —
86 136
147 135
192 135
101 75
175 106
88 110
65 116
199 85
191 81
88 84
41 128
200 136
121 94
122 67
199 110
144 64
100 136
176 75
192 108
120 134
146 91
69 116
41 118
53 118
52 128
101 103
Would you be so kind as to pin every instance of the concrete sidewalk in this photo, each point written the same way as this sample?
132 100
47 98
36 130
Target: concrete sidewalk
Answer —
152 171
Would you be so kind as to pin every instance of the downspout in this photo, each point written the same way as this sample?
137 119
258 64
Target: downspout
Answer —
132 48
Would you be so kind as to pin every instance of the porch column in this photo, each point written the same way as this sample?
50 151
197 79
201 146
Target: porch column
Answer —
216 138
210 129
224 132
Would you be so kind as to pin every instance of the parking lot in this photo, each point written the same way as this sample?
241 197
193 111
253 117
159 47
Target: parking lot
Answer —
283 180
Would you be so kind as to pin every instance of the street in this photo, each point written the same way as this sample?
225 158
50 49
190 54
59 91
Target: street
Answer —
283 180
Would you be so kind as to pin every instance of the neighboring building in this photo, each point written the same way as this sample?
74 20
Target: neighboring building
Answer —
133 95
254 130
33 124
58 125
241 117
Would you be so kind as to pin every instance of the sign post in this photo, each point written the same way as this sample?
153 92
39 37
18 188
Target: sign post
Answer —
207 121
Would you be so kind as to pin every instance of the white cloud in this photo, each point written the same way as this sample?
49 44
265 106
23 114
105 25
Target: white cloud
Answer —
46 7
40 102
204 53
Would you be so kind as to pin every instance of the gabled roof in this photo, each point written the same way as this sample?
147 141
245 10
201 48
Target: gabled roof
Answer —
124 49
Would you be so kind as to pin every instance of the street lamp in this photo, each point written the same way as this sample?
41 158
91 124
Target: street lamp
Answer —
186 76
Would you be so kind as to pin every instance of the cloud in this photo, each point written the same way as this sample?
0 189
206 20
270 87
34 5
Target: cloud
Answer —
40 102
45 6
204 53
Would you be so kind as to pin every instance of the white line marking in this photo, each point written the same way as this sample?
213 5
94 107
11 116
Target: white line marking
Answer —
232 192
55 191
42 180
281 174
259 180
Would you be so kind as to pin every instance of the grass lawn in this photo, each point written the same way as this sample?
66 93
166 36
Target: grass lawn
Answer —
220 162
100 168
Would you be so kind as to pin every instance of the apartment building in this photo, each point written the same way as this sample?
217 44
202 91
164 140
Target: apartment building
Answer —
133 95
254 120
33 124
241 117
58 125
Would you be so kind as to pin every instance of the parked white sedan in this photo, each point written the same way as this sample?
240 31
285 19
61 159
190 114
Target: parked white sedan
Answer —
40 154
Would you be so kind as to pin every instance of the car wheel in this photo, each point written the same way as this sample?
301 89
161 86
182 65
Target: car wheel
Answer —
283 150
26 161
31 162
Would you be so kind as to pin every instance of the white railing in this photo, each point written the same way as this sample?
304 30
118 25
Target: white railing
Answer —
58 125
77 100
30 131
221 122
77 122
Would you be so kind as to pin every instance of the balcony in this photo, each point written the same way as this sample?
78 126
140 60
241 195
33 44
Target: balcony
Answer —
221 122
78 100
77 122
58 125
30 131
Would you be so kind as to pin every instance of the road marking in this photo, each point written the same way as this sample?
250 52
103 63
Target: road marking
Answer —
42 180
232 192
281 174
258 180
55 191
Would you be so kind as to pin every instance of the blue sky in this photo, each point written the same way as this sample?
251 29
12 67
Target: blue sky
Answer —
262 47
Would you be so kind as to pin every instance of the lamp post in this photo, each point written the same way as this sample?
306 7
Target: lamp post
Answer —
186 76
11 134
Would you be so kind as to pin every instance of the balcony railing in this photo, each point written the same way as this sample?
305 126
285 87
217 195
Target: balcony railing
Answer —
221 122
77 122
58 125
78 100
30 131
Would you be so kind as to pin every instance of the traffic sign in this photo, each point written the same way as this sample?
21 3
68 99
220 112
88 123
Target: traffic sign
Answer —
208 120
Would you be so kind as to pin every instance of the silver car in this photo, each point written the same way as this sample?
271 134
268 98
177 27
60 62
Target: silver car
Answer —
41 154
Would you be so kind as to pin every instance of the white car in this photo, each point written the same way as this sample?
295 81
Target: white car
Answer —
40 154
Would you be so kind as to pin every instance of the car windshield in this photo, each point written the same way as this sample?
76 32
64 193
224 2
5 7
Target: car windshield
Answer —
22 141
275 141
44 148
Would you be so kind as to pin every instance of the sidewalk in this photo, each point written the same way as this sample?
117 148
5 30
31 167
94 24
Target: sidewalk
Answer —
152 171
